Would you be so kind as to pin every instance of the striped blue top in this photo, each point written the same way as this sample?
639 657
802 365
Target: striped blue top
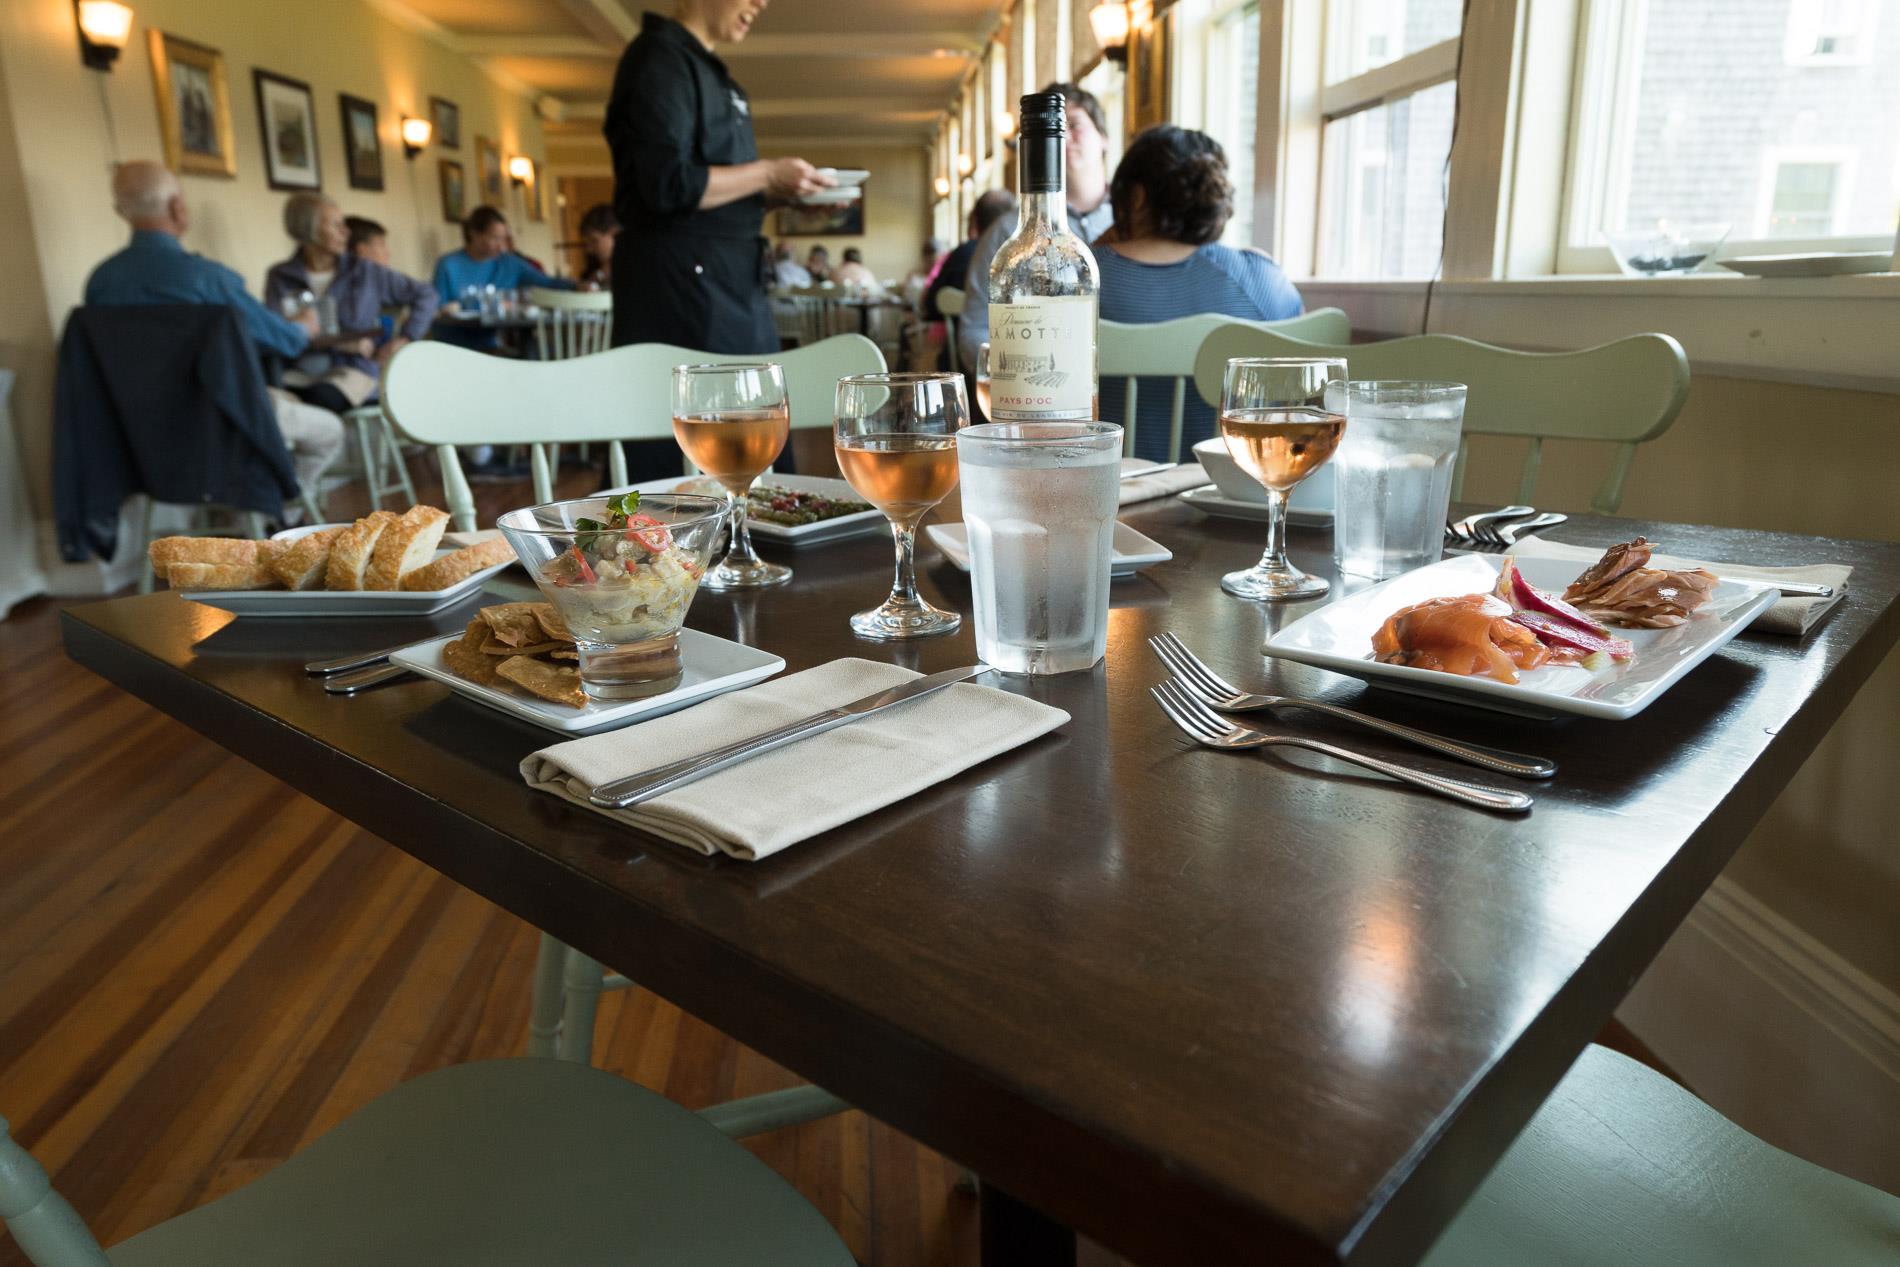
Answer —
1216 278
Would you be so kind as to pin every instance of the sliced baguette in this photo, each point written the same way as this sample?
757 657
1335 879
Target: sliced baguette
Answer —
350 552
405 546
452 569
221 576
169 550
300 564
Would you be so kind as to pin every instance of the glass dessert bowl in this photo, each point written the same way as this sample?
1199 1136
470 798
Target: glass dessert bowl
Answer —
621 571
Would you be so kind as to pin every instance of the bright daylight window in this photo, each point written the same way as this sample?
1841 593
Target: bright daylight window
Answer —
1217 73
1780 118
1387 106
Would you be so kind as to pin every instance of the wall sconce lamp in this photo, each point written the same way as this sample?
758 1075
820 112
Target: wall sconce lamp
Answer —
943 186
521 170
415 135
104 26
1006 126
1109 21
965 164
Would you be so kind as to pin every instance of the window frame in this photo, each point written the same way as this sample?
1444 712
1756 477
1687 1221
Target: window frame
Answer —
1775 157
1805 26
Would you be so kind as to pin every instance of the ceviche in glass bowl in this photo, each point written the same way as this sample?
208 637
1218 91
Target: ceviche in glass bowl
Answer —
621 571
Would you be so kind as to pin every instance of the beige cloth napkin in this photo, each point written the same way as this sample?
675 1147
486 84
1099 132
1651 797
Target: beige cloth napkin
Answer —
1791 616
754 809
1166 484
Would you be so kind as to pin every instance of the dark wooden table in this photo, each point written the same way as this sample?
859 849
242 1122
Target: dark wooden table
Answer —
1205 1008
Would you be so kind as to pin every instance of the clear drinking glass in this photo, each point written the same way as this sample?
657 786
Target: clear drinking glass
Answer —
1039 502
732 421
1393 473
983 381
896 443
1276 424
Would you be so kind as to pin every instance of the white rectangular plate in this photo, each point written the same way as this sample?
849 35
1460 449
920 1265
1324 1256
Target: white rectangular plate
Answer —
1339 637
861 524
1819 264
1210 502
1132 550
340 602
712 666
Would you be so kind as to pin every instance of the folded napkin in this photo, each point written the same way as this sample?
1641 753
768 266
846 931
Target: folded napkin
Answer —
1792 616
1175 480
754 809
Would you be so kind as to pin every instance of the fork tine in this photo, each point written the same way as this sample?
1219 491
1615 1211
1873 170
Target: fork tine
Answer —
1181 667
1174 715
1190 713
1217 684
1207 716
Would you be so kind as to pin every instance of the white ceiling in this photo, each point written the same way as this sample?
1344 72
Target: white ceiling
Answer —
827 71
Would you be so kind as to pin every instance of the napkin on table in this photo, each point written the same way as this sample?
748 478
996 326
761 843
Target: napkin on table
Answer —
1791 616
1169 482
758 807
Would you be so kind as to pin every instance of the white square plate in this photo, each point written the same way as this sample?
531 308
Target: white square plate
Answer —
1132 550
712 666
861 524
341 602
1339 637
1209 501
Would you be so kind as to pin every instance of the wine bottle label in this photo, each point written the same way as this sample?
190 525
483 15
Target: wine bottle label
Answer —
1042 359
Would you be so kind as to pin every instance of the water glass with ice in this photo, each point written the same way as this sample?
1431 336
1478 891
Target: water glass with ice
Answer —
1039 502
1393 481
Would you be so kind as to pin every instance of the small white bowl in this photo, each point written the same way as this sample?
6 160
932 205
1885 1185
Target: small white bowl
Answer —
1315 493
847 176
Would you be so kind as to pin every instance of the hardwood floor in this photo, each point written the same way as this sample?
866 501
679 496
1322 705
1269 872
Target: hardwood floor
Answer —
201 971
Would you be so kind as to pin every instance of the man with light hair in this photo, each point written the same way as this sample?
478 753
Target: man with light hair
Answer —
156 269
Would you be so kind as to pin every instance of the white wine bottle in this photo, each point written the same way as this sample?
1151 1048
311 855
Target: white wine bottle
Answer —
1043 285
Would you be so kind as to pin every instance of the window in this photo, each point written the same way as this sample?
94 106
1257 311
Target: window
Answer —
1697 110
1386 107
1216 84
1109 84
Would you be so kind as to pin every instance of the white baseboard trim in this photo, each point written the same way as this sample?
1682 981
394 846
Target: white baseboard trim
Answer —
1778 1033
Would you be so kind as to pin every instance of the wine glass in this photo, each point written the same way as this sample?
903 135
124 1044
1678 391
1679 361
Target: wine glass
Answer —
897 445
983 381
1274 420
733 420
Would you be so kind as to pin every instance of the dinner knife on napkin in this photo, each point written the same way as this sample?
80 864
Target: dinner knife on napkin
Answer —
621 793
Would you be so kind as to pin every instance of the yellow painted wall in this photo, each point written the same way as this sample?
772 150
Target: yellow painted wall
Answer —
896 204
60 139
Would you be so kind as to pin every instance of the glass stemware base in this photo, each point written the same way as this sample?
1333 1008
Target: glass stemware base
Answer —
757 574
1268 584
894 622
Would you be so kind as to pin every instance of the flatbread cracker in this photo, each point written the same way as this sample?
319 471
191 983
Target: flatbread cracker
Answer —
549 618
466 662
513 623
532 649
549 681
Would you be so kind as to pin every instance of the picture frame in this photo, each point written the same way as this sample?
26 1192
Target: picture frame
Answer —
445 121
531 202
362 143
287 118
1148 75
454 187
488 177
194 106
832 220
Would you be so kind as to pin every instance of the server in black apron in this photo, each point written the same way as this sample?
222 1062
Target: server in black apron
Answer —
690 266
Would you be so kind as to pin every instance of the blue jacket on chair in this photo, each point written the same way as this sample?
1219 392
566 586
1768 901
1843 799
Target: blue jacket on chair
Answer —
162 399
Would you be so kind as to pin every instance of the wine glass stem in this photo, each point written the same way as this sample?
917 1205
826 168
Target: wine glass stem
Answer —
1274 560
739 553
904 588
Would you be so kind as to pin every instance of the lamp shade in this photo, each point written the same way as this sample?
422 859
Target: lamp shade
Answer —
106 23
1109 21
943 186
965 164
521 169
416 133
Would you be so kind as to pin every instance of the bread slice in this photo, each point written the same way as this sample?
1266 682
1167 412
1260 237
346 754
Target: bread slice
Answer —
169 550
350 552
300 564
221 576
405 546
452 569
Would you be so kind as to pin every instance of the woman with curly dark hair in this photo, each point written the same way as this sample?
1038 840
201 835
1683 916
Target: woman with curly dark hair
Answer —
1163 259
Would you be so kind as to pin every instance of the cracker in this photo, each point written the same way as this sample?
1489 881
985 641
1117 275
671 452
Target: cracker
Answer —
514 623
549 681
532 649
549 618
466 662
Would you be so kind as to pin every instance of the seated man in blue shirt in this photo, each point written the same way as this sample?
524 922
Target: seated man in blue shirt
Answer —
156 269
483 261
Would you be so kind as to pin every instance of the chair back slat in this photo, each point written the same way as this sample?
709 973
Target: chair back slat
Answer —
571 323
950 303
1623 393
1167 349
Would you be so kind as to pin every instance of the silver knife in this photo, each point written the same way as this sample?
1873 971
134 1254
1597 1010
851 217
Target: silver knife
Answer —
621 793
1156 469
343 664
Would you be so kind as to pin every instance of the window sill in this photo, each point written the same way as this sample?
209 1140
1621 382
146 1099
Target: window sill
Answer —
1719 285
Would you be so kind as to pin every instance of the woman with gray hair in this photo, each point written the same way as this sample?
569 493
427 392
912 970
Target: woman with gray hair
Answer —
350 294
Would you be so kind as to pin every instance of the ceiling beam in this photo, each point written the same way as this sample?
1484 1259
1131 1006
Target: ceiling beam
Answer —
606 20
855 44
870 109
581 46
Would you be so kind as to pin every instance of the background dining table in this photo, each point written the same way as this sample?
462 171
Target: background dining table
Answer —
1204 1007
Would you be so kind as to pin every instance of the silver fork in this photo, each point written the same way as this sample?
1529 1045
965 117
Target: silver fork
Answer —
1206 727
1494 538
1466 530
1216 691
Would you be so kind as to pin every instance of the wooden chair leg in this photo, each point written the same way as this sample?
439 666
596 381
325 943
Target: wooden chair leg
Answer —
40 1220
580 1003
544 1019
392 451
455 487
371 481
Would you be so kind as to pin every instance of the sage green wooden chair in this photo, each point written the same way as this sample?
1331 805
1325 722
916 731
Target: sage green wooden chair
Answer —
950 303
435 393
493 1164
571 323
1623 393
1623 1168
1167 349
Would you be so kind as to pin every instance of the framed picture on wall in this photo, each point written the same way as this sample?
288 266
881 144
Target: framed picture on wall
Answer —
362 146
454 191
831 219
445 119
488 186
531 203
1148 75
194 108
288 115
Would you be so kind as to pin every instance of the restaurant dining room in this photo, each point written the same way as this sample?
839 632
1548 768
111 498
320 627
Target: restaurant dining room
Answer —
950 633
